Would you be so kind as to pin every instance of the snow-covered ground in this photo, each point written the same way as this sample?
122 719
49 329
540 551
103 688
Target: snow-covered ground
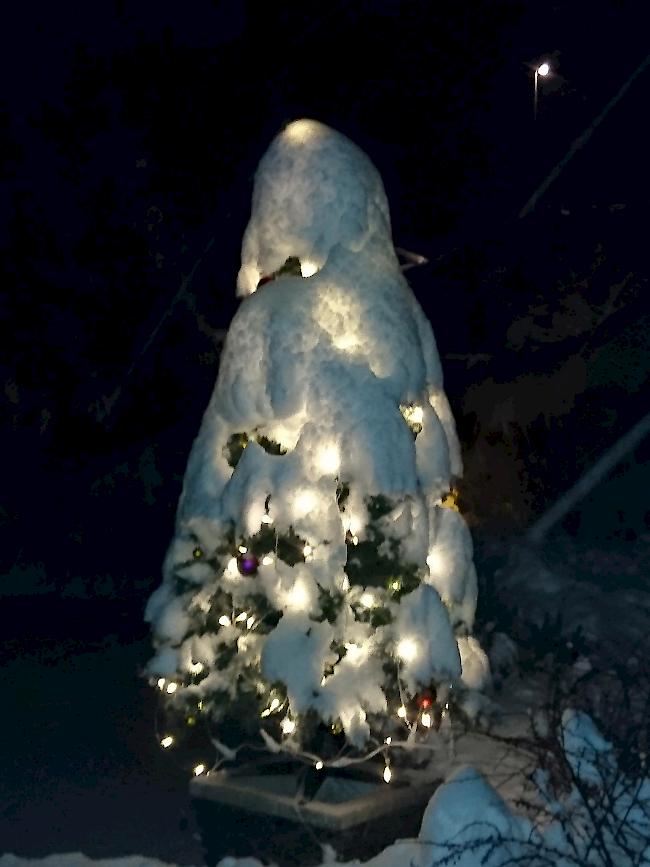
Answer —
83 772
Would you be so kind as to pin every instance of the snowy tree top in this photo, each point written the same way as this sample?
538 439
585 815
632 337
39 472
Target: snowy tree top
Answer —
314 189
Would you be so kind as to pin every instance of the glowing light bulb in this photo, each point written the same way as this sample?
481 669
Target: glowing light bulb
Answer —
388 740
319 765
307 550
267 560
243 549
401 712
329 459
543 69
407 649
196 667
367 600
298 596
354 652
308 269
198 770
275 704
388 774
231 568
250 621
395 585
355 540
161 683
287 725
266 519
426 720
167 741
224 620
304 502
172 687
435 562
241 617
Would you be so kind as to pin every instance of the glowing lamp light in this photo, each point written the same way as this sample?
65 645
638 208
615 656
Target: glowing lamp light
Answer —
275 704
196 667
407 649
167 741
198 770
287 725
401 712
161 683
224 620
266 519
231 568
243 549
308 269
426 720
388 740
319 765
304 502
329 459
250 621
543 69
241 617
307 550
172 687
267 560
388 774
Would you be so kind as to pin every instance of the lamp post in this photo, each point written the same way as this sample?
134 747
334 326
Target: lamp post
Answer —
543 69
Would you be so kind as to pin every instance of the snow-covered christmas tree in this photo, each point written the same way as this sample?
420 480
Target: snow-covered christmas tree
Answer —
319 592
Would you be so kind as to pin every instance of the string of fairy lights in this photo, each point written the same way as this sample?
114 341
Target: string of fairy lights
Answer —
418 717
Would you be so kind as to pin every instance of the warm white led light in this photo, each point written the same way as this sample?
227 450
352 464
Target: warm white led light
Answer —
172 687
304 502
407 649
308 269
196 667
167 741
267 560
198 770
435 562
243 549
224 620
241 617
307 550
298 596
266 519
388 774
275 704
426 720
250 621
388 740
329 459
287 725
367 600
401 712
231 568
318 765
161 683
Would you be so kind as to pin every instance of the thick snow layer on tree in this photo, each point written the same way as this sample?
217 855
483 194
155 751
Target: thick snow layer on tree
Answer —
330 379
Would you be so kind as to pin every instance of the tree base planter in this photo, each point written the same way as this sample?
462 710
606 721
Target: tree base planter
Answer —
286 815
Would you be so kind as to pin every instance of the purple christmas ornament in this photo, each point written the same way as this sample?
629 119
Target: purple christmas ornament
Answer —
247 564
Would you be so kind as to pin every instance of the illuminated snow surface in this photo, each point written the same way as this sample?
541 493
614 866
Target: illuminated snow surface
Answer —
331 365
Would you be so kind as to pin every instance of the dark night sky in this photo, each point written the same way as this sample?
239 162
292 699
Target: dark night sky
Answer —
129 133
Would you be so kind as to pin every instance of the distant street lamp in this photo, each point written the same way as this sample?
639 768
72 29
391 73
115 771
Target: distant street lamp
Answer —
543 69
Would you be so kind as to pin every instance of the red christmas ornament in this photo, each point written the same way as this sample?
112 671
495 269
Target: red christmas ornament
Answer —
426 699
